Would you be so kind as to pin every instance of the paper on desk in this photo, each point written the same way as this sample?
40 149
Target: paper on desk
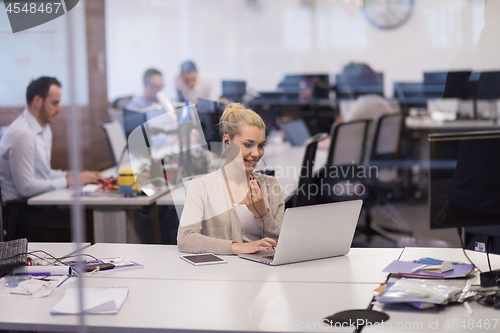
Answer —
49 284
90 188
404 268
95 301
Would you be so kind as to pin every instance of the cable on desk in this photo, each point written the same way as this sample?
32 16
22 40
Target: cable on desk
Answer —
463 249
76 255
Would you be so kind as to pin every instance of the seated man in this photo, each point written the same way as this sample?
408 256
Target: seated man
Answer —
25 149
368 106
153 84
191 84
150 105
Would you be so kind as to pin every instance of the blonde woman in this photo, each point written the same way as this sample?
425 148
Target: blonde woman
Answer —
234 210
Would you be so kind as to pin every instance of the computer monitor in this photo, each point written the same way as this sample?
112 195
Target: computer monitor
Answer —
208 113
464 187
234 90
318 83
348 85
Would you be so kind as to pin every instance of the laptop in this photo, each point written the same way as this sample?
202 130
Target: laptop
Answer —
296 131
313 232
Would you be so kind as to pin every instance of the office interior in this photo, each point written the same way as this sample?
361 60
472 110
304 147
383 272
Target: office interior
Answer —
303 66
100 52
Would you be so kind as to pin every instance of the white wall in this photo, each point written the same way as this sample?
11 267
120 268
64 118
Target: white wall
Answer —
41 51
260 44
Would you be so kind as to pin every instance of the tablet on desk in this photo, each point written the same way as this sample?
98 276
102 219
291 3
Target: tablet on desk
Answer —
203 259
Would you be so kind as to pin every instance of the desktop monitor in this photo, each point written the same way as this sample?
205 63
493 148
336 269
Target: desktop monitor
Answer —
318 83
234 90
208 114
464 186
349 85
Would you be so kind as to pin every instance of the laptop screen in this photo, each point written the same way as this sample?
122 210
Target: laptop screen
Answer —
296 131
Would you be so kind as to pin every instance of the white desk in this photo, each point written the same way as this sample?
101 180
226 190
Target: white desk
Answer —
171 295
420 320
163 262
174 305
113 216
427 123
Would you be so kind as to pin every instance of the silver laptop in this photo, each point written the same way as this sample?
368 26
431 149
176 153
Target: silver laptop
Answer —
313 232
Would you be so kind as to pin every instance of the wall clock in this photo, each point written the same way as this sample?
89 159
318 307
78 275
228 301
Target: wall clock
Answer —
388 14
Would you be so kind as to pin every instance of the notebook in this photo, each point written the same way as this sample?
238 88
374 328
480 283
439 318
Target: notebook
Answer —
95 301
313 232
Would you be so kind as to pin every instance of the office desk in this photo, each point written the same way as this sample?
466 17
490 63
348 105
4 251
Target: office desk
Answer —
163 262
171 295
158 305
428 124
113 216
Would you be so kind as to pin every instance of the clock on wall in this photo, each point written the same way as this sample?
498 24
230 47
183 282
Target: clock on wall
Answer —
387 14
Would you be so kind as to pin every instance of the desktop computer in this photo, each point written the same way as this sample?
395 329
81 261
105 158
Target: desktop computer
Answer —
234 90
464 187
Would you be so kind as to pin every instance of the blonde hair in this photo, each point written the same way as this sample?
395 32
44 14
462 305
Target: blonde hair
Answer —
235 116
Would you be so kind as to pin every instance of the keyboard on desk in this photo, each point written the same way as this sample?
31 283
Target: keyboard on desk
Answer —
13 253
271 257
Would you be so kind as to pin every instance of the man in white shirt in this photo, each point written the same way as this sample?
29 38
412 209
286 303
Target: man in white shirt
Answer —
25 147
153 83
192 84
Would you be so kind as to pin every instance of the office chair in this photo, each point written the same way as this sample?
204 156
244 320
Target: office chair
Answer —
303 197
387 183
116 140
345 157
9 217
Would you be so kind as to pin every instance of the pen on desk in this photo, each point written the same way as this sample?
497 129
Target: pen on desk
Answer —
467 307
416 269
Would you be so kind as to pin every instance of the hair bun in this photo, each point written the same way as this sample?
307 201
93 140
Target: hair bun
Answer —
231 109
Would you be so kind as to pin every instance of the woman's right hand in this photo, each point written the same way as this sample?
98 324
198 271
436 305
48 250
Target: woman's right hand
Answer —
264 244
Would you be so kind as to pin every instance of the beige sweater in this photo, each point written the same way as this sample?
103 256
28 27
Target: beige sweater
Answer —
209 222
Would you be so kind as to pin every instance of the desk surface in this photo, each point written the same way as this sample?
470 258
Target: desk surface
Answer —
164 262
427 123
155 305
64 197
170 294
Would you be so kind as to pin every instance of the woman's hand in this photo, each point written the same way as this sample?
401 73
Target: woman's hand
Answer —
255 200
264 244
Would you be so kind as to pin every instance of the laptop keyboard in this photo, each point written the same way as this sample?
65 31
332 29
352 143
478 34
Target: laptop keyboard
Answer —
13 253
269 257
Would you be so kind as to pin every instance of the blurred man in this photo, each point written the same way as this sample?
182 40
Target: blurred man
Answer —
25 154
153 84
192 84
25 148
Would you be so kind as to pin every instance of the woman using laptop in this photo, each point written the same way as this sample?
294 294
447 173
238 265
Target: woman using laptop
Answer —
234 210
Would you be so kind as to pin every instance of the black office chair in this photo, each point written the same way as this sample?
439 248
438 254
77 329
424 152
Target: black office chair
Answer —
10 217
388 181
303 197
339 177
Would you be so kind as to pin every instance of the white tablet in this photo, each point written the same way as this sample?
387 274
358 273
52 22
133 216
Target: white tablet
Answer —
203 259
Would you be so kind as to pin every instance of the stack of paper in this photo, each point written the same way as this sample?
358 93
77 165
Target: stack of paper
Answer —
95 301
405 268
